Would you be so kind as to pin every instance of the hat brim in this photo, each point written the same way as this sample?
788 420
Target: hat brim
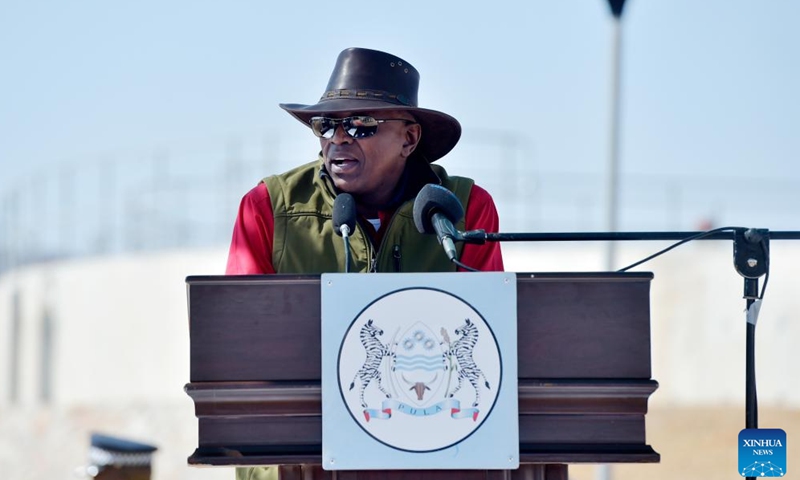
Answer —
440 131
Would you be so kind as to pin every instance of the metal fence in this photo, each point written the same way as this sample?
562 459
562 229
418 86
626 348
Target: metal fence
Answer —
185 198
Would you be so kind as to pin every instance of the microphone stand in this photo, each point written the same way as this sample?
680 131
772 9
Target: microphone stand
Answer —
480 236
346 237
751 260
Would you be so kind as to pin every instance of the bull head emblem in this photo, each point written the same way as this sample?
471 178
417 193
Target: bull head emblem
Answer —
419 387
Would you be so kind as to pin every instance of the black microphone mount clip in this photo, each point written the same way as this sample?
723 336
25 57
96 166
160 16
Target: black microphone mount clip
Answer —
751 257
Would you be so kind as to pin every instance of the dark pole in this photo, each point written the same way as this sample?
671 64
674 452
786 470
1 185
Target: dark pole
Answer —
612 179
751 259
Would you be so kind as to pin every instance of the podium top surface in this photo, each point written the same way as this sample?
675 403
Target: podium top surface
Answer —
521 276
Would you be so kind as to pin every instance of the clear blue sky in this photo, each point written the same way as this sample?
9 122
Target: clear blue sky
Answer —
709 87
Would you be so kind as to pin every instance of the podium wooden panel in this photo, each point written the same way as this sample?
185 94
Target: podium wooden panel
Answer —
583 364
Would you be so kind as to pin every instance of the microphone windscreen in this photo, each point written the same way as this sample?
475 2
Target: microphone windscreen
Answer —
432 199
344 213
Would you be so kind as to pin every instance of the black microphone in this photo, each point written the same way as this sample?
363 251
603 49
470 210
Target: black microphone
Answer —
344 222
436 209
344 214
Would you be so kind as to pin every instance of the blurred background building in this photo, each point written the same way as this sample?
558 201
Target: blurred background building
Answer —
129 134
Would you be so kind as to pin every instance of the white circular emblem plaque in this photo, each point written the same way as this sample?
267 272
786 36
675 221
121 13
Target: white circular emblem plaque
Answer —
419 369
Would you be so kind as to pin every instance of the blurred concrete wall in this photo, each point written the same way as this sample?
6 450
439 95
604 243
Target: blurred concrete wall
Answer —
119 328
698 318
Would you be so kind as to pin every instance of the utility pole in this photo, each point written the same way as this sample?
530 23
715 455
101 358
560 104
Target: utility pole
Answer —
612 183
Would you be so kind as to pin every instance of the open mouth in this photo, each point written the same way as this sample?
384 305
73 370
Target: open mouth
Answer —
343 164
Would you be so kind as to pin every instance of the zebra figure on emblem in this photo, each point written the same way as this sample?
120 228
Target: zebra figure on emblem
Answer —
462 349
370 370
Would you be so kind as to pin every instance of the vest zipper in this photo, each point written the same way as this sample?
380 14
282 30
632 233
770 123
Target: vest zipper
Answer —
376 254
396 256
372 258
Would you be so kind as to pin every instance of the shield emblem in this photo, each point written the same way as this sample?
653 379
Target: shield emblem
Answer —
418 366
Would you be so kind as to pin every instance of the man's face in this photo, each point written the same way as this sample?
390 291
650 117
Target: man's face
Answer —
369 168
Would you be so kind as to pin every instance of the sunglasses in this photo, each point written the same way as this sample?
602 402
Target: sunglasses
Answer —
358 126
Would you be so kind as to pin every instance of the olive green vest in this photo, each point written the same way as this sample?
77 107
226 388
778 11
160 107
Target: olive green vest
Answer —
304 240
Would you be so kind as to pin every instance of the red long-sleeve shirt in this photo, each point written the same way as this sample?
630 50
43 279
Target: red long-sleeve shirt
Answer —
251 246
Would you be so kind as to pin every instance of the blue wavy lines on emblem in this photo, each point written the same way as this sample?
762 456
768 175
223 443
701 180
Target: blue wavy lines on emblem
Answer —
428 363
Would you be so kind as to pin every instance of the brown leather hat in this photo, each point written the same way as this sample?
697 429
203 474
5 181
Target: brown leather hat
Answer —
368 81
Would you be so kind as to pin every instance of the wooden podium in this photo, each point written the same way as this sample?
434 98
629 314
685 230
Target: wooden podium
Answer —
583 363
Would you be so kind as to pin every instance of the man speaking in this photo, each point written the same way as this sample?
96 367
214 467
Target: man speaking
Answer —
378 145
